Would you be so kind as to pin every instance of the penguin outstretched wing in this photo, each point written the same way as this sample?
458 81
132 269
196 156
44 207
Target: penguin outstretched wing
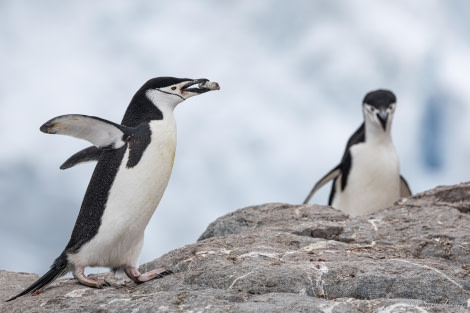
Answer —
333 174
101 133
90 154
405 190
343 167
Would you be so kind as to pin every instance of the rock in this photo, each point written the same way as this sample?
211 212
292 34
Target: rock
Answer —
412 257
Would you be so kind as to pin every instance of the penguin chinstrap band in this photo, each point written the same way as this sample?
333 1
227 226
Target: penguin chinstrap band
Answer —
133 169
368 178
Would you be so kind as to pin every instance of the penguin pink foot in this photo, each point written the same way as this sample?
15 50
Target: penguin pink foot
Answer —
79 274
134 274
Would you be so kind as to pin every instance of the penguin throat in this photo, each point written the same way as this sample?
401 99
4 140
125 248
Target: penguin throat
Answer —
164 100
375 133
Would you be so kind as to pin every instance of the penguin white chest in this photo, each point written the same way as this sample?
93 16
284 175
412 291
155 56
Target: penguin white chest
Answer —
137 190
373 182
132 200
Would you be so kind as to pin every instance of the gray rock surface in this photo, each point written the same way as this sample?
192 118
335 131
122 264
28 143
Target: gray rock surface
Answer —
412 257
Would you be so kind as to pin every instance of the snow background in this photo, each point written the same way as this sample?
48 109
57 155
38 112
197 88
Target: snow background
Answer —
292 75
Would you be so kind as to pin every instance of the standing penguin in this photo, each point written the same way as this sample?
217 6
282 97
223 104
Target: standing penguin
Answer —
368 178
135 160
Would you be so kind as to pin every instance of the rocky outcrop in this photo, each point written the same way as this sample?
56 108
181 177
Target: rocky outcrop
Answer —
412 257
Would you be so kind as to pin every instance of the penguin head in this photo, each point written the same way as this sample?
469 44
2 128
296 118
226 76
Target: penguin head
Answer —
378 108
163 94
171 91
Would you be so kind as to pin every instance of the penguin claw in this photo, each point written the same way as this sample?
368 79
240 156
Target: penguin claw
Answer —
161 275
102 283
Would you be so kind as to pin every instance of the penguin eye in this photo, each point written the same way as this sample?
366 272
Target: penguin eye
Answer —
173 88
370 108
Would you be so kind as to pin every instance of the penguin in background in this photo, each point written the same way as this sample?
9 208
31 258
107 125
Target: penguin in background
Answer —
135 160
368 178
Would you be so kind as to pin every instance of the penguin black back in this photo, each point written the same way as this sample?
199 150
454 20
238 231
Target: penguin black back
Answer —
94 203
345 165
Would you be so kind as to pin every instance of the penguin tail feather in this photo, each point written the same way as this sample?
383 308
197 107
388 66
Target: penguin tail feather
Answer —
59 268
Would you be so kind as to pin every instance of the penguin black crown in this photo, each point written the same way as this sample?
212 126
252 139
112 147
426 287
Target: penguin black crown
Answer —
135 160
368 177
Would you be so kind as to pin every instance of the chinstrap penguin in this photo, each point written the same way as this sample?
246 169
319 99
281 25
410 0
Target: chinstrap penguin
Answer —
135 160
368 178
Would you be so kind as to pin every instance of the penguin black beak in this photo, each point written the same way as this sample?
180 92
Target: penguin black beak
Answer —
383 118
203 85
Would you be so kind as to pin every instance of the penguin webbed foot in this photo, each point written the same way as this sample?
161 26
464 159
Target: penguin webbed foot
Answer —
94 283
139 278
79 274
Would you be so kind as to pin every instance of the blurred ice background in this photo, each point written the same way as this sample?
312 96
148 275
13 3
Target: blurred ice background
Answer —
292 75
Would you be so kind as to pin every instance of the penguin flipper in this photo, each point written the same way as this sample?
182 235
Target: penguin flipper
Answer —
58 269
334 173
89 154
405 190
101 133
